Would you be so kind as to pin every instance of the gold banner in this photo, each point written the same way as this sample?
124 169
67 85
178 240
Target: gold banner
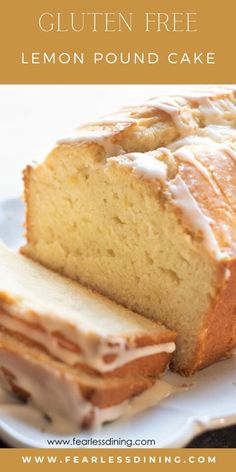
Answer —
113 459
53 41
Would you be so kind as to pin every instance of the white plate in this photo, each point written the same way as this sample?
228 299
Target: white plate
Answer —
210 402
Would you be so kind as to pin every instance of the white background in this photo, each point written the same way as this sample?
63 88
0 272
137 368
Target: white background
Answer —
33 117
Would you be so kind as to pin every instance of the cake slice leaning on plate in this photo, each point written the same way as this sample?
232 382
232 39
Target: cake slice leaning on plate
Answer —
61 343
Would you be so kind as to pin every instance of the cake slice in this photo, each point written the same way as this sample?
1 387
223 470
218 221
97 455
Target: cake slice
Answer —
75 325
70 397
72 353
141 207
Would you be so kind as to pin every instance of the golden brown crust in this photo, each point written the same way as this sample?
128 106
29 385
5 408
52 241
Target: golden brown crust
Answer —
218 335
218 332
218 207
122 390
149 366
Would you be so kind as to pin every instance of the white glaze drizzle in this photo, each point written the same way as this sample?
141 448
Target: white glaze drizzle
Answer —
218 133
200 223
109 122
147 399
132 354
212 111
110 148
200 92
92 354
173 107
192 140
226 146
146 165
187 155
174 112
229 150
58 395
54 393
102 133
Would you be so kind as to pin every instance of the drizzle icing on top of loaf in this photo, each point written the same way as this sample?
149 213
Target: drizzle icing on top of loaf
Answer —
172 108
102 133
184 154
206 123
147 164
216 108
213 112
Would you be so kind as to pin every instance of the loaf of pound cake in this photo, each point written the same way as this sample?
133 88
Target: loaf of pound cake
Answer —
72 352
141 207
